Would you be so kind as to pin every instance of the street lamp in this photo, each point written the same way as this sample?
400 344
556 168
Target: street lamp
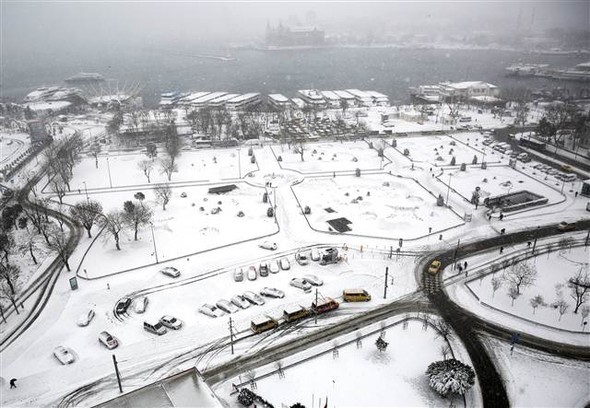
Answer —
86 191
449 189
154 241
239 165
109 170
483 155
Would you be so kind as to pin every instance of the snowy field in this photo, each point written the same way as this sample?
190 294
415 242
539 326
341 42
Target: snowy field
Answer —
437 150
535 379
192 166
329 157
553 272
401 209
497 180
319 374
182 229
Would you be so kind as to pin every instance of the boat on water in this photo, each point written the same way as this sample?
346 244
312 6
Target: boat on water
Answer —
525 70
84 78
580 72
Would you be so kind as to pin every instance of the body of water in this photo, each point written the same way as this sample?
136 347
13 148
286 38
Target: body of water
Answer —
388 70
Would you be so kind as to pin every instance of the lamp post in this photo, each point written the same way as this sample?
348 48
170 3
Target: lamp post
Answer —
154 241
109 170
449 189
483 155
86 191
239 165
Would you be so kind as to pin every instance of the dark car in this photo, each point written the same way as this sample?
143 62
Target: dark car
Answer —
566 226
123 305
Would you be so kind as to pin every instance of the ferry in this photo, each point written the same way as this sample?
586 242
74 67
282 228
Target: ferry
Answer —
524 70
580 72
85 78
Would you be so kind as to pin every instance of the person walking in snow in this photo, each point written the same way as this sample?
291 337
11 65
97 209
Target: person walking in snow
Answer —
13 383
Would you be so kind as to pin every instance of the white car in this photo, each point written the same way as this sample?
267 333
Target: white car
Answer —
226 306
253 298
170 271
240 302
285 264
86 318
301 258
274 267
313 279
314 254
109 341
63 355
268 245
141 304
238 275
272 292
171 322
301 284
252 275
210 310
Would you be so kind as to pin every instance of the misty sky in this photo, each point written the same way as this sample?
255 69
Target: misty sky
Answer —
47 25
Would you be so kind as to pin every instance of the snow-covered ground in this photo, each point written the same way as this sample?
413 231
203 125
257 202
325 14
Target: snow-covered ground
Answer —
553 273
183 230
319 373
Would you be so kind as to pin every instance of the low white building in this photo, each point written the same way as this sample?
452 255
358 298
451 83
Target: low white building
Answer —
244 101
279 101
467 90
312 97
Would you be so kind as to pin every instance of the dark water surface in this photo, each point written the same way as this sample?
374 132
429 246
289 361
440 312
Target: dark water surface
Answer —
387 70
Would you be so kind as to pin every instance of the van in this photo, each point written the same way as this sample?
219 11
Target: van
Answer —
263 323
156 328
355 295
568 177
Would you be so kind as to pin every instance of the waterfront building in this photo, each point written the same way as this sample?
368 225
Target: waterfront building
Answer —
203 101
312 97
282 36
279 101
332 100
350 99
361 97
244 101
220 101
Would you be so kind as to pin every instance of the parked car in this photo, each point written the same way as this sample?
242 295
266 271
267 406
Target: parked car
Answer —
272 292
253 298
109 341
252 273
285 264
268 245
141 304
238 274
86 318
301 258
170 271
156 328
210 310
314 254
63 355
487 142
538 166
434 267
552 172
263 269
171 322
240 302
313 279
123 305
566 226
300 284
274 267
183 194
226 306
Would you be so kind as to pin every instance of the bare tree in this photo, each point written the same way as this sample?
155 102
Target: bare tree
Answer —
7 292
443 329
522 274
136 216
29 242
496 284
151 151
95 149
536 302
9 274
86 213
113 222
58 187
561 306
513 293
60 242
167 166
163 194
146 166
579 285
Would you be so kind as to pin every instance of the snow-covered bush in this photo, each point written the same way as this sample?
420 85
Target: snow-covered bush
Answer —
450 376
